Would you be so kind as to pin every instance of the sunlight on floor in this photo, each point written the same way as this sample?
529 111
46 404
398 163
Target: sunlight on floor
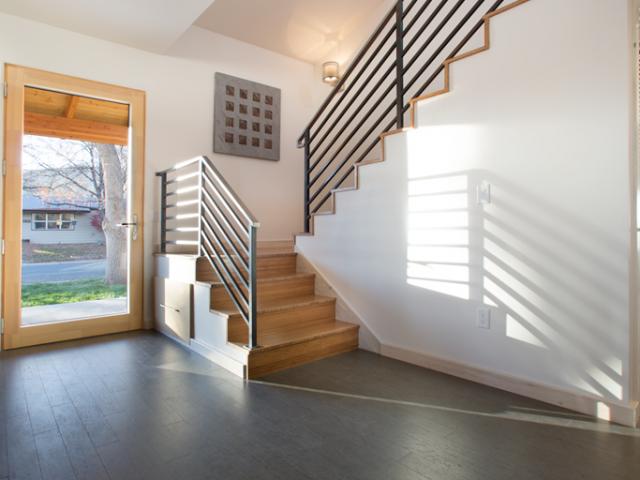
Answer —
550 418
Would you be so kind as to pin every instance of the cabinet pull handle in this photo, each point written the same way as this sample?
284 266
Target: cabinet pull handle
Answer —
162 305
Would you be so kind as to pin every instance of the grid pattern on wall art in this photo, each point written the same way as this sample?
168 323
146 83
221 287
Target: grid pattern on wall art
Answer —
246 118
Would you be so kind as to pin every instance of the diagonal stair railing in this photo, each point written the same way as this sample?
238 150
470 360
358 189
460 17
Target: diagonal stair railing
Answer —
200 209
403 58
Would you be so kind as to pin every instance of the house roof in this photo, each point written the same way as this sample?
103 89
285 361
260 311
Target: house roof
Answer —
31 203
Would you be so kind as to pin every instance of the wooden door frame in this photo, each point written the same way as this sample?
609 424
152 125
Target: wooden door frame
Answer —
16 335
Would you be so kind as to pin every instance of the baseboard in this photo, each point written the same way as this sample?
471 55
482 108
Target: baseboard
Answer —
618 412
219 358
210 353
167 332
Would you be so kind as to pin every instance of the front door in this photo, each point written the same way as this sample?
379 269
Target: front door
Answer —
72 208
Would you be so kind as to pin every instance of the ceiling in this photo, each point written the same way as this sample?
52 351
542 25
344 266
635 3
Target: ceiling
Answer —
152 25
304 29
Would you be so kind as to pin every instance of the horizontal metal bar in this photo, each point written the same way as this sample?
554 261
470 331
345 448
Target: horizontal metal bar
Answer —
371 129
182 242
182 229
207 197
181 191
358 58
244 264
229 191
225 283
433 34
224 201
353 131
352 167
183 203
179 166
442 46
183 216
220 244
183 178
410 7
354 97
416 17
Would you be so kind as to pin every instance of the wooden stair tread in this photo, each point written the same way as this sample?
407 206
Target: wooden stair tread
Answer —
284 304
285 336
275 254
274 279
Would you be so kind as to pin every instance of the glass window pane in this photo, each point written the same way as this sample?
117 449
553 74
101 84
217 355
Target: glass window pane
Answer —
98 285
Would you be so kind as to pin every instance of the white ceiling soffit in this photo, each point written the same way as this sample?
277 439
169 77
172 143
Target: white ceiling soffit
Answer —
146 24
304 29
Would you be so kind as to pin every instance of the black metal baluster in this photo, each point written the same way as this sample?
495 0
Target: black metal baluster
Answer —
163 212
399 64
253 291
307 173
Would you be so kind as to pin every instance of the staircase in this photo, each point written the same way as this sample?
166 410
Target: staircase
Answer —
405 61
296 325
262 313
271 317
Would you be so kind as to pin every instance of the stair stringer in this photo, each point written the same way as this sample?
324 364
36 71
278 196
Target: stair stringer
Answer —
413 108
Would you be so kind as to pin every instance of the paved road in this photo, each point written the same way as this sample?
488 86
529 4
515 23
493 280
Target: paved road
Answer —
62 271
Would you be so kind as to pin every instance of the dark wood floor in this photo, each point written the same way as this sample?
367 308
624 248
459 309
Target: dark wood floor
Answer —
138 406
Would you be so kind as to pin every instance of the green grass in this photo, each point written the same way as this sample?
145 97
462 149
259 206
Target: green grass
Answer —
37 294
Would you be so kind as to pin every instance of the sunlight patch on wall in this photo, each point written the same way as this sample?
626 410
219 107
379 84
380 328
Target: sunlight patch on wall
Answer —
516 309
451 273
443 202
489 302
459 290
430 220
438 254
614 364
438 235
606 382
517 331
435 151
603 411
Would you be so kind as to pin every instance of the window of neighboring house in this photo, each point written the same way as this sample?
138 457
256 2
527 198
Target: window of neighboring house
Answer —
53 221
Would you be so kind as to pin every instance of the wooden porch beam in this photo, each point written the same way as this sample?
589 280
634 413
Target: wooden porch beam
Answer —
72 106
75 129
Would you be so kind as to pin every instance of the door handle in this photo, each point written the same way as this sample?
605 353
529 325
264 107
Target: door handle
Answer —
132 225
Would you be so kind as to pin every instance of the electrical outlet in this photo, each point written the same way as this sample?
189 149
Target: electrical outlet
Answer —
483 318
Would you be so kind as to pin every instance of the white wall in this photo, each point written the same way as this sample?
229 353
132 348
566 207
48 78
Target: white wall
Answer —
545 119
180 109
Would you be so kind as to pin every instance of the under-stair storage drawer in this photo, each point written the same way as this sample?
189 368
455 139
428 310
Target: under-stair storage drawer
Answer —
173 307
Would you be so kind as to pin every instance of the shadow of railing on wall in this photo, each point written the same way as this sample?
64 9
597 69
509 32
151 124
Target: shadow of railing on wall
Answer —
550 279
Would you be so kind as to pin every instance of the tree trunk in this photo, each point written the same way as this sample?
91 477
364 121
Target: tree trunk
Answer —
115 211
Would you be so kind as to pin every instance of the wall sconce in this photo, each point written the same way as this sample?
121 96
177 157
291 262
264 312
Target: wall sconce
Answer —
330 73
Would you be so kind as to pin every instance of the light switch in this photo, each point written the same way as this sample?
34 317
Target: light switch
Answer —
484 193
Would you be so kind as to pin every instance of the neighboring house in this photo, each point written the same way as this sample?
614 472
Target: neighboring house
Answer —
58 222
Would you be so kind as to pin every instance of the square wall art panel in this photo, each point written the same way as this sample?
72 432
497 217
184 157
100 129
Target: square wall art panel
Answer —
246 119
